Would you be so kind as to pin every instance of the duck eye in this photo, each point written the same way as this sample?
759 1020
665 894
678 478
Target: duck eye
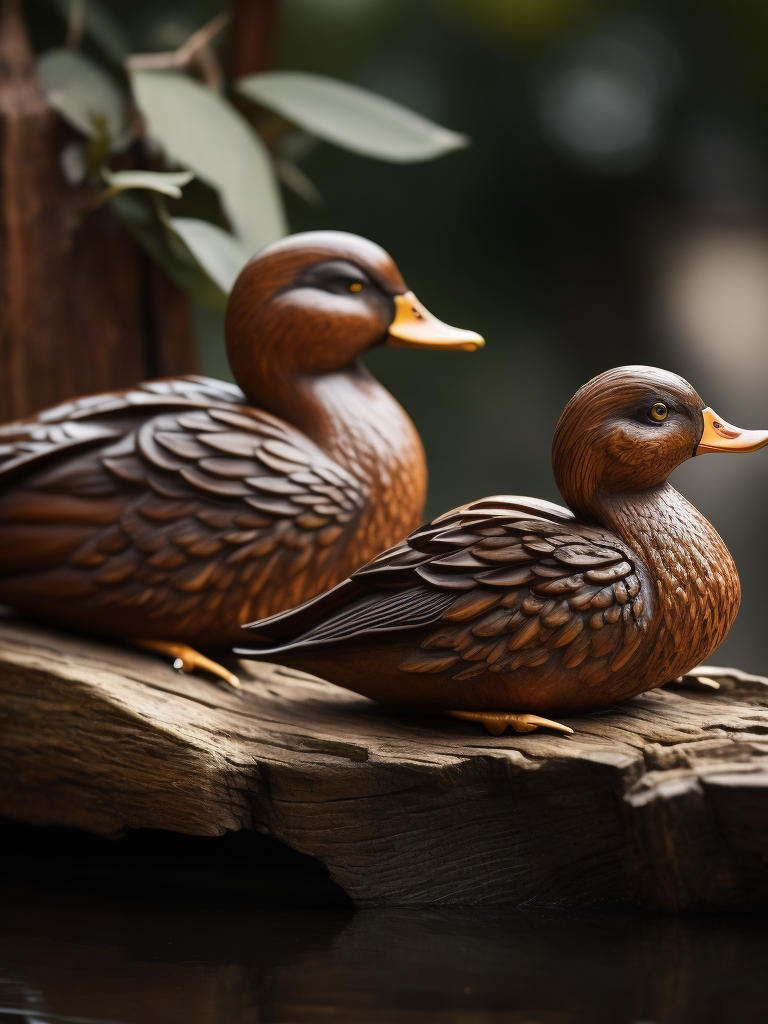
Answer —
659 412
355 286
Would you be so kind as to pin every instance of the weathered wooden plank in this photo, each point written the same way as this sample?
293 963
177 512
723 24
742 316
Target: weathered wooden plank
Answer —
662 800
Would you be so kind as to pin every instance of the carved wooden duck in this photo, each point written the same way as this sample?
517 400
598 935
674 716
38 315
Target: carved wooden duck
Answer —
170 513
509 608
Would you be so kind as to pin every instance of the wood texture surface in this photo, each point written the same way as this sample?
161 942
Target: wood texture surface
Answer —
662 800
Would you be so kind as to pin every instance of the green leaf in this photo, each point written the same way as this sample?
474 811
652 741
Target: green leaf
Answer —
201 130
220 254
167 182
292 176
84 95
99 146
350 116
144 217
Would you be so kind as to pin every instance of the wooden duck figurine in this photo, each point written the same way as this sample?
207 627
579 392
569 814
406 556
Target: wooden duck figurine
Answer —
171 513
510 608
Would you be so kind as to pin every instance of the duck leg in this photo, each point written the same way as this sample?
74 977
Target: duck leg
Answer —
187 659
497 721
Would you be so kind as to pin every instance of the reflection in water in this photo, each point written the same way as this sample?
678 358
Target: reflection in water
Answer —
229 961
159 928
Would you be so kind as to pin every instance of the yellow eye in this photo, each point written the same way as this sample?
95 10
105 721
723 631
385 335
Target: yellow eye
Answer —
659 412
355 286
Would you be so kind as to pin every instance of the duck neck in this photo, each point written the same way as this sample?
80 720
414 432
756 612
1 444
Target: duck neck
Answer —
363 428
688 566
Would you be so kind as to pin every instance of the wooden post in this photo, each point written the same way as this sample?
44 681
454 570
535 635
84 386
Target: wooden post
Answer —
249 45
81 307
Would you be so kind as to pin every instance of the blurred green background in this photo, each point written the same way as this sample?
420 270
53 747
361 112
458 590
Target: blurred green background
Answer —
611 209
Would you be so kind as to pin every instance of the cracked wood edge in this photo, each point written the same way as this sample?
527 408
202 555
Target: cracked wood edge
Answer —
663 799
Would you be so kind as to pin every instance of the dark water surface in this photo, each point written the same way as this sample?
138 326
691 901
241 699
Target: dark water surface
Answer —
168 930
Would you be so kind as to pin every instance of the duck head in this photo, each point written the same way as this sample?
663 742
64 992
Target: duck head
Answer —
628 428
312 303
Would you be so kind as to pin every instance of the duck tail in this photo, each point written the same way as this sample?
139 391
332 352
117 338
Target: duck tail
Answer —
347 613
281 631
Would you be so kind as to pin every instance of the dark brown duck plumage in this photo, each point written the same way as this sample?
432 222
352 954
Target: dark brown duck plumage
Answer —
516 605
181 508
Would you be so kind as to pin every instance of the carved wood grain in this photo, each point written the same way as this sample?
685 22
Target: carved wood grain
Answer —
662 800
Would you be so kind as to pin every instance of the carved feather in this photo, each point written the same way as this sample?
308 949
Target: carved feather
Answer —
181 449
552 596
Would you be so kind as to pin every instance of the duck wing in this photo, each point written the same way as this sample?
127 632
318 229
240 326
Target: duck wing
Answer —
169 499
85 422
507 582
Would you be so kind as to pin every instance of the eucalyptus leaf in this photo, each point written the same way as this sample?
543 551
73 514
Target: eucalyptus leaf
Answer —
220 254
201 130
99 146
167 182
146 222
85 96
292 176
350 117
295 145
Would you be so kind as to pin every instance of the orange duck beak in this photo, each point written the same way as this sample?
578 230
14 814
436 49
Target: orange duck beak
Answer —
720 436
415 327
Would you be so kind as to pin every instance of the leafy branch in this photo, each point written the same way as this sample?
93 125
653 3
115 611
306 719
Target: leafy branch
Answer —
173 110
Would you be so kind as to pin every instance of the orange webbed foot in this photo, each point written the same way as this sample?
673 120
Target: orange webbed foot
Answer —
187 659
497 721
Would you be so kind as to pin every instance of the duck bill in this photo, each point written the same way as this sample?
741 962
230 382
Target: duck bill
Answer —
720 436
415 327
